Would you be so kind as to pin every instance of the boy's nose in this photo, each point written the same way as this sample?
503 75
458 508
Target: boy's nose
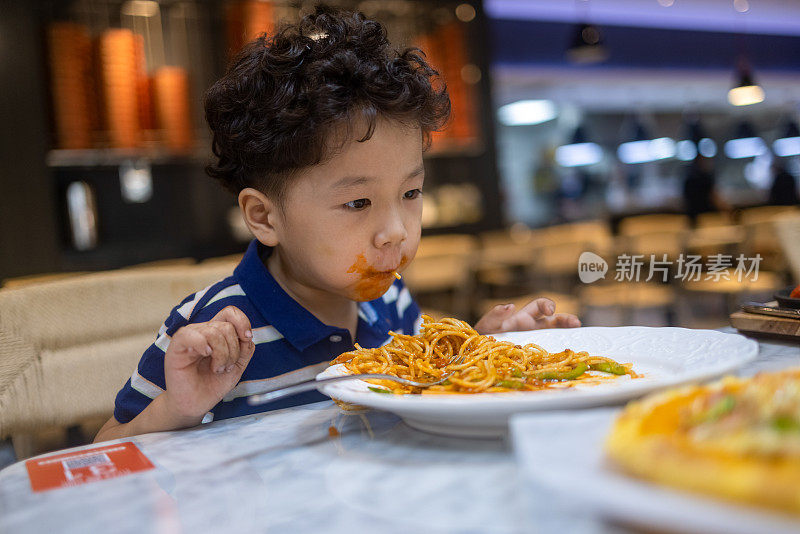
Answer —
391 232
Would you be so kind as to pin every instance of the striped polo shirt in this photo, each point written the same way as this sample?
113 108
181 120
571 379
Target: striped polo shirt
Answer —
291 344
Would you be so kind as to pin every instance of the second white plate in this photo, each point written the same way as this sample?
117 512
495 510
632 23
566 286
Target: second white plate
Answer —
666 356
562 455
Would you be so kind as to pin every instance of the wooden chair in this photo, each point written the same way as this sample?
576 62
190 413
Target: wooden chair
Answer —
629 298
503 260
714 218
732 290
443 273
512 247
787 226
721 239
559 247
67 346
656 223
654 235
761 237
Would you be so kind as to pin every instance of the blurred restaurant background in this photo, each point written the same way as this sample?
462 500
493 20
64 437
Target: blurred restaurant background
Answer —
611 126
645 132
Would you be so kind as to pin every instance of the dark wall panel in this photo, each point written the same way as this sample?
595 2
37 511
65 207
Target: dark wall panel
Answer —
28 231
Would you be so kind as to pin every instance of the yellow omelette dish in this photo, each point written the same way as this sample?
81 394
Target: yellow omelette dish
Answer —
737 439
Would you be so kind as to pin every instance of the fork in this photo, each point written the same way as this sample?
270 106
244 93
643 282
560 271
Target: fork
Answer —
309 385
280 392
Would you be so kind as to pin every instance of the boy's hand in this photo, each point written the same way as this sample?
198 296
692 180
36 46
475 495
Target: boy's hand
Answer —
205 360
538 313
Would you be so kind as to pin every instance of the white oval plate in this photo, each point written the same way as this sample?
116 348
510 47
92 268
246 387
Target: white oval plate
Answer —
666 356
562 455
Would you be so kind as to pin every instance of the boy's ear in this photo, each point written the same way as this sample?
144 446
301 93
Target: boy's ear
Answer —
260 214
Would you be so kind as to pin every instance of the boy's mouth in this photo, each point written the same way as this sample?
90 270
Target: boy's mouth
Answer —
373 282
365 270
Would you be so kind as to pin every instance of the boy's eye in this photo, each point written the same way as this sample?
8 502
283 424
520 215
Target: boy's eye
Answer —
412 194
359 204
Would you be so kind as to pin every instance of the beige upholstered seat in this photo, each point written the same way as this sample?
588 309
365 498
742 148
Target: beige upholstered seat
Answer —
22 281
67 346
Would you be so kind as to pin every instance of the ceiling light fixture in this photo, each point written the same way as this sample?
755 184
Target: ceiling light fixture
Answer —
527 112
643 148
695 141
465 12
788 144
580 152
587 45
746 92
745 143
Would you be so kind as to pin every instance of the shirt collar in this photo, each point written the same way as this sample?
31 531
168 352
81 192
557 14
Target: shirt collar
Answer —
297 325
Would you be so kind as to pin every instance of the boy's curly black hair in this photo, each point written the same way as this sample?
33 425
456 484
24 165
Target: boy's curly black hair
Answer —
284 98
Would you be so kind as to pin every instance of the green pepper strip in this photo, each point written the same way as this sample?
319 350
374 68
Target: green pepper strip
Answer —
609 367
720 408
380 390
511 384
783 423
572 374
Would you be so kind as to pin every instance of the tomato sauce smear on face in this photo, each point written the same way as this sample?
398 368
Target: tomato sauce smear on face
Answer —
372 283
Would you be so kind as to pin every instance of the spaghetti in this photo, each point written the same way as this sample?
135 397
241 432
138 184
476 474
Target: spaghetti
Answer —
474 363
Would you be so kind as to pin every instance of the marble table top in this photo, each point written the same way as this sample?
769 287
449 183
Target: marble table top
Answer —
286 471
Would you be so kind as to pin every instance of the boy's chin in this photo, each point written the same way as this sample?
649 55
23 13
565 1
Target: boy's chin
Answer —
366 297
372 291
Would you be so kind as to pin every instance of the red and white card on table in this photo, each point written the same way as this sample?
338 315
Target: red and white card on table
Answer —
88 465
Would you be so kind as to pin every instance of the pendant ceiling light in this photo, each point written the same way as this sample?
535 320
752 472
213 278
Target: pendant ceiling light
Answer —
587 46
746 92
643 148
580 152
527 112
745 143
788 144
695 141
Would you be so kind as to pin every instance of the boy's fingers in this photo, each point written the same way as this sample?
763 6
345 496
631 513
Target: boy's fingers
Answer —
541 307
520 322
246 351
219 348
229 333
233 346
237 318
191 342
564 320
492 322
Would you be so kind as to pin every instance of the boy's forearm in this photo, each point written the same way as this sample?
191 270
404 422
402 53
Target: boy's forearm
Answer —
156 417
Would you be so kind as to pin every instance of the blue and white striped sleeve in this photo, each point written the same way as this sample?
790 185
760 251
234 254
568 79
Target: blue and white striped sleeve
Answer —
408 310
147 381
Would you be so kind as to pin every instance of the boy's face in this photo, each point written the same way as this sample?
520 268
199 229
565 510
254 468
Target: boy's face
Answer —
345 226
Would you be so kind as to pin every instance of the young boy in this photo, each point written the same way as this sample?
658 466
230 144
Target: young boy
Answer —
320 131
